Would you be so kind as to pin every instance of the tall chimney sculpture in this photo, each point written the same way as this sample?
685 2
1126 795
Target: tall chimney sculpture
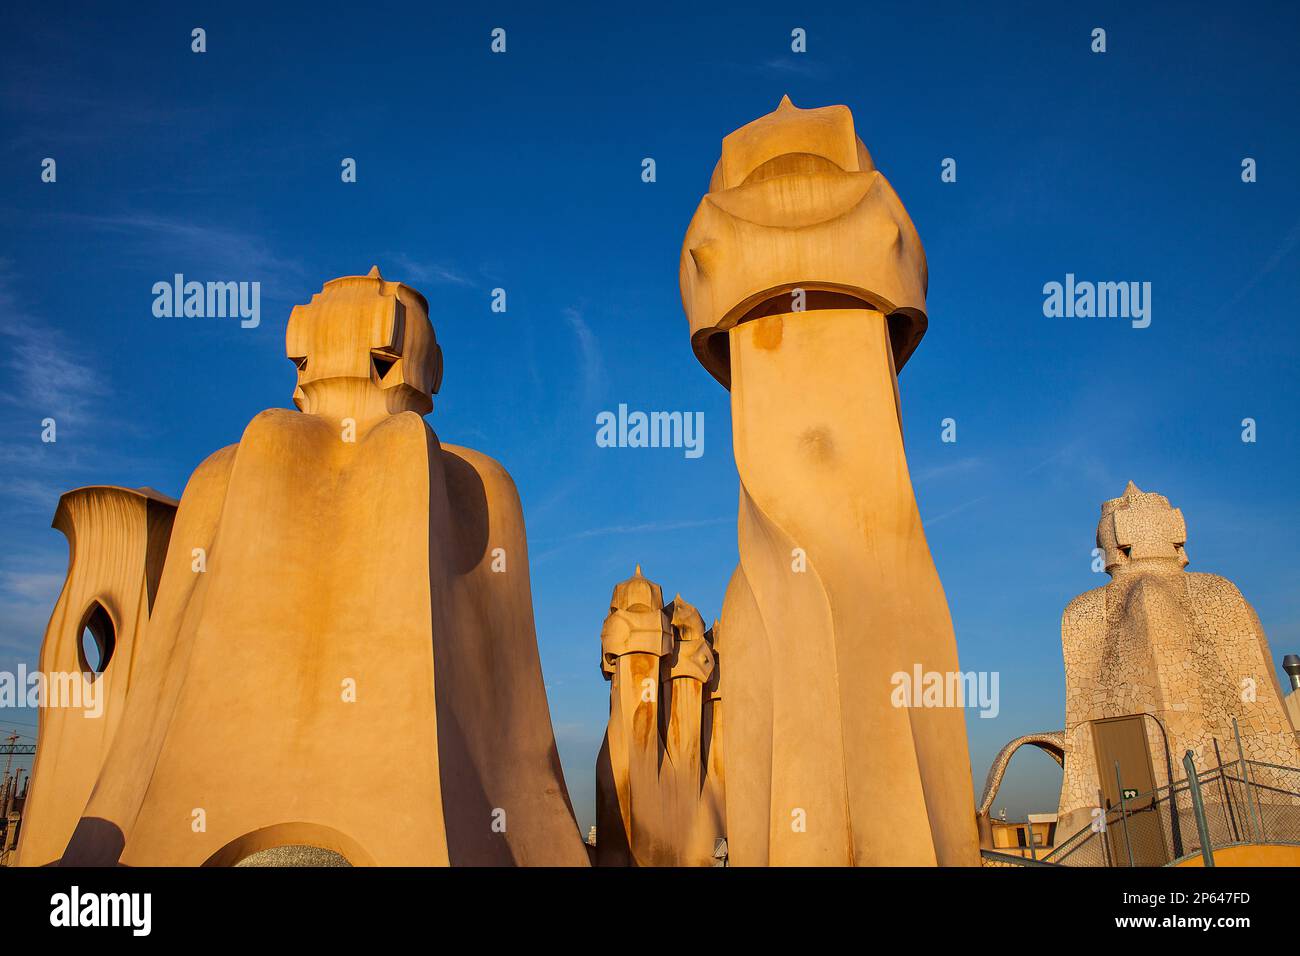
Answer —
659 782
1161 661
804 283
328 644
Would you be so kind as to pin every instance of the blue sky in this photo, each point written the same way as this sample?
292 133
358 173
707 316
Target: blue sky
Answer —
522 171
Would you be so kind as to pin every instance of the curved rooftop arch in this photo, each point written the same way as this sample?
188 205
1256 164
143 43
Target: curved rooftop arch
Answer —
1050 742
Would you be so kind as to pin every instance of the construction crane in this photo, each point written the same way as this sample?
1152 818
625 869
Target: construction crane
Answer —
12 747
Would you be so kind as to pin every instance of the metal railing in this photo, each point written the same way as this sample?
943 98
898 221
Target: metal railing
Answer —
1246 801
994 858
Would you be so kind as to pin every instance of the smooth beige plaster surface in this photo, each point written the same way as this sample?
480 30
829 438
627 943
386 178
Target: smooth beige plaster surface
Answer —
355 667
117 542
804 284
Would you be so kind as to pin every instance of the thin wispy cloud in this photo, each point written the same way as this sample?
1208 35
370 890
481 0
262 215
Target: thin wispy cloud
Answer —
647 528
31 494
1077 459
1279 255
559 544
1053 458
50 110
225 253
52 381
962 466
591 386
796 65
593 363
952 512
413 272
34 585
26 600
50 378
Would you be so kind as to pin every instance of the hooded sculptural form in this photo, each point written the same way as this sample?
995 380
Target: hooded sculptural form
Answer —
1161 662
804 283
338 651
659 781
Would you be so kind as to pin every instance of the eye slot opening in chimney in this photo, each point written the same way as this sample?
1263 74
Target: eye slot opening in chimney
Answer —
814 300
96 640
